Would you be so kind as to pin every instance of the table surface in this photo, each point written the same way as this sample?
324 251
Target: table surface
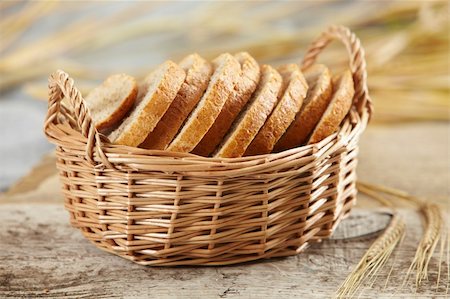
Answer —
42 256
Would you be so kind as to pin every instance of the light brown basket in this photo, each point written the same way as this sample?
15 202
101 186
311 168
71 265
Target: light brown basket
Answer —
164 208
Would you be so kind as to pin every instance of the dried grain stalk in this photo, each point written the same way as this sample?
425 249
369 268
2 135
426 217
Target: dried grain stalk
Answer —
374 259
434 231
393 37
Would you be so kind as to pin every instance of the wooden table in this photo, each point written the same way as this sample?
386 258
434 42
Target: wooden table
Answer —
42 256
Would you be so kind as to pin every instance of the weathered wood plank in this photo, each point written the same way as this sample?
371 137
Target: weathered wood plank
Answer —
42 256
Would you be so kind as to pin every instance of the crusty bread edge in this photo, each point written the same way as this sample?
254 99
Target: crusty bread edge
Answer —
208 108
338 108
162 96
244 88
309 115
190 93
282 115
238 139
125 105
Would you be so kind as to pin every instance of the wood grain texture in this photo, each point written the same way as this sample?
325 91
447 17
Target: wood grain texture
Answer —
42 256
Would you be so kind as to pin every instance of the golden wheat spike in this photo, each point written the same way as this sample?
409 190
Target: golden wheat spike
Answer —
374 259
433 233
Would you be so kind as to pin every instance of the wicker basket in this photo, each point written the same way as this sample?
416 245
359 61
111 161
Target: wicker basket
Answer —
163 208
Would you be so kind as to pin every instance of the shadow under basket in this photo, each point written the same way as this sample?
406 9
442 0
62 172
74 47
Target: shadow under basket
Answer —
164 209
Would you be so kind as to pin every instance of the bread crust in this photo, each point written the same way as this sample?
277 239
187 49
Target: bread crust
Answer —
252 118
244 88
158 92
294 91
205 113
122 90
338 108
198 72
314 105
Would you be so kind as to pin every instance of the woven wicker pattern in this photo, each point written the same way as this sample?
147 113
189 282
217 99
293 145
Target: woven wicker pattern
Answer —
163 208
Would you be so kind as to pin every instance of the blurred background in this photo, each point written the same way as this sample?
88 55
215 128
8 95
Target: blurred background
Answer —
406 42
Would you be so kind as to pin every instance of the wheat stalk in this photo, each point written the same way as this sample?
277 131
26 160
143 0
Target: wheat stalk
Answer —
391 191
16 25
35 89
368 191
433 232
374 259
420 89
4 5
430 239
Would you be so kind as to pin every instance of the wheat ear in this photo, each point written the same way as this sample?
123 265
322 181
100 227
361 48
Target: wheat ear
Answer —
434 226
433 233
375 258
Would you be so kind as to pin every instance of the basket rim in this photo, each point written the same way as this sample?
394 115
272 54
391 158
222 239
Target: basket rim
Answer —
126 158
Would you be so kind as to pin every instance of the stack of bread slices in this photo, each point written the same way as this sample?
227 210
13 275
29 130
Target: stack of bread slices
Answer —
230 107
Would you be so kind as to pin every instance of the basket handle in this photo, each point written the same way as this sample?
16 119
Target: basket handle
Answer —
357 62
61 85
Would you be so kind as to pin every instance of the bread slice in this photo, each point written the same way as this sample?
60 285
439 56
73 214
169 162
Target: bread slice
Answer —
294 91
198 72
244 88
317 99
155 96
254 115
109 102
205 113
340 104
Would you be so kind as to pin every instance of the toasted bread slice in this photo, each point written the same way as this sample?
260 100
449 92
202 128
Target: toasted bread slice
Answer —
245 86
155 97
340 104
253 116
198 72
317 99
294 91
109 102
220 88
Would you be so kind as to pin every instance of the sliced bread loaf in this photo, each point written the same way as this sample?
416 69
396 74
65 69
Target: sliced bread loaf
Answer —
155 96
317 99
340 104
198 72
220 88
109 102
253 116
244 87
294 91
